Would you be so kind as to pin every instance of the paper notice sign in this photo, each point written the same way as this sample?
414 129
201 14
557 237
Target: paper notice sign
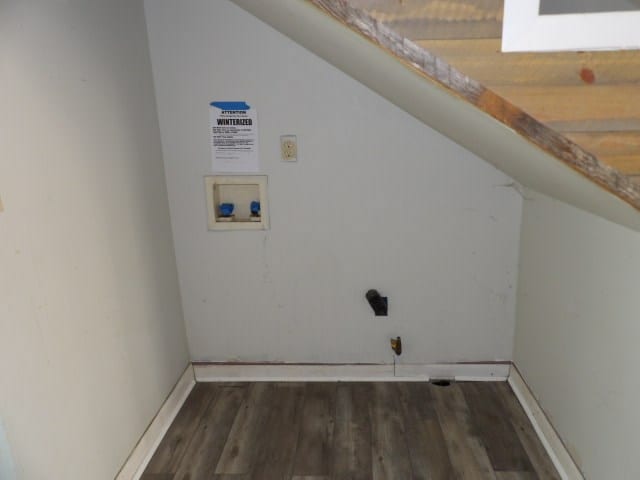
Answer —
234 137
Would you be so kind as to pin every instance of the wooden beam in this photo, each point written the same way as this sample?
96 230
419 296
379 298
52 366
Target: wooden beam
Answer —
435 69
595 126
437 19
482 59
608 143
433 29
601 103
621 150
451 49
557 88
627 164
445 11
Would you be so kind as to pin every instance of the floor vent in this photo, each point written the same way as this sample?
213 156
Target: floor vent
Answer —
441 382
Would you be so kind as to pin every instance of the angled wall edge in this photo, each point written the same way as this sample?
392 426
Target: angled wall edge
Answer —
409 88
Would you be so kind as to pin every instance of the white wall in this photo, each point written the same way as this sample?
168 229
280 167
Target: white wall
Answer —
554 7
577 332
377 199
91 332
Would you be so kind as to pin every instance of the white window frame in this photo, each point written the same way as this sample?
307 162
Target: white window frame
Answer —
525 30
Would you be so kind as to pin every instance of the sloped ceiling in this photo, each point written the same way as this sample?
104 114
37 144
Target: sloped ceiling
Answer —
592 98
455 103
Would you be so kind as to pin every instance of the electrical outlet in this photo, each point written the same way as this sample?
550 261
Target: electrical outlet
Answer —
289 148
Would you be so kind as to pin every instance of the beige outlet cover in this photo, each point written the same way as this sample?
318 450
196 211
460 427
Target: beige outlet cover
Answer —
289 148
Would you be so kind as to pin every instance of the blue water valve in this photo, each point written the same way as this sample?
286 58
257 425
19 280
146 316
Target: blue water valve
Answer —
226 209
255 208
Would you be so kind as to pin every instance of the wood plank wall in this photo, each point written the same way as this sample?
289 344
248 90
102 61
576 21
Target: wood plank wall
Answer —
591 98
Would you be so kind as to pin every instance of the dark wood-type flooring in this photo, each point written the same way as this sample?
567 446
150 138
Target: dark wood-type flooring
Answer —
354 431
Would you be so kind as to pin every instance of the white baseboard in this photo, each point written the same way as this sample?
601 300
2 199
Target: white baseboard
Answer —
143 451
552 443
224 372
463 372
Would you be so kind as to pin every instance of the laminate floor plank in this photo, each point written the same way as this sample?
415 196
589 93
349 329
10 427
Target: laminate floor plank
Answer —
315 441
517 476
494 428
352 434
425 439
536 452
468 456
351 431
199 463
389 449
275 458
175 442
249 431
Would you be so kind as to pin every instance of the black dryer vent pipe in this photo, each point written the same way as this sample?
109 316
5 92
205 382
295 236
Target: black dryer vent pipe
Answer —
377 302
